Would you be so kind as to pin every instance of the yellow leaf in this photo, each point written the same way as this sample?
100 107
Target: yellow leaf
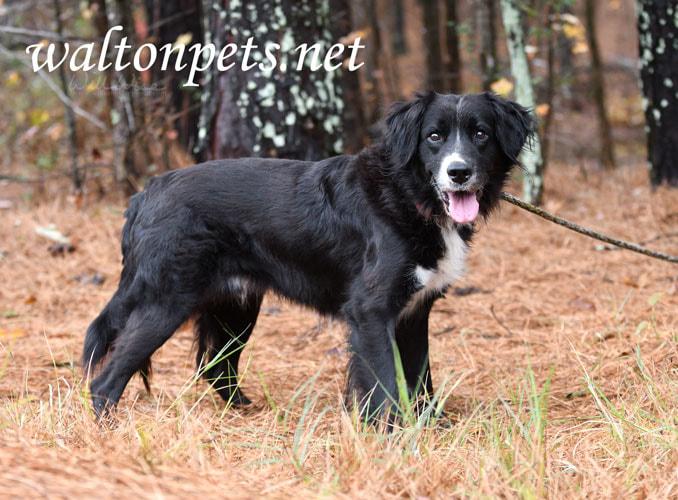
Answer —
350 38
183 39
38 116
502 87
6 334
542 109
573 31
92 86
569 18
12 78
580 48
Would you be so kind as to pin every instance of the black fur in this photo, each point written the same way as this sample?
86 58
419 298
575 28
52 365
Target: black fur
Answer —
344 236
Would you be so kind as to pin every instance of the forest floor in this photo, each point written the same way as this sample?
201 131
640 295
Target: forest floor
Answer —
558 371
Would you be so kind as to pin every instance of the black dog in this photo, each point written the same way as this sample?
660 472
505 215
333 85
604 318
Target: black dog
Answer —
373 238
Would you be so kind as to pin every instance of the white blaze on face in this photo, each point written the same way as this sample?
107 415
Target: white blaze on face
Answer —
444 181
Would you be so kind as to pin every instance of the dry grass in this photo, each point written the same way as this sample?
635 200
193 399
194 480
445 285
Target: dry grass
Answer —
560 378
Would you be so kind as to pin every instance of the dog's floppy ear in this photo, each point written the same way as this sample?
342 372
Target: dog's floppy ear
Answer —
515 126
403 125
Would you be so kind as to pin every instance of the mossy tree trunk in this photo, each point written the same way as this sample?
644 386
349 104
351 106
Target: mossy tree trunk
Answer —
533 184
658 43
275 113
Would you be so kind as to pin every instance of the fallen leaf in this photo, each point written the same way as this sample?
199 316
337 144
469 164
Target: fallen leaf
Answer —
582 304
90 279
352 36
573 30
580 48
50 232
182 40
13 334
542 109
60 249
30 299
502 86
12 79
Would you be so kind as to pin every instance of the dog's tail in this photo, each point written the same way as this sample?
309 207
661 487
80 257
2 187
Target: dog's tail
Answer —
103 331
101 334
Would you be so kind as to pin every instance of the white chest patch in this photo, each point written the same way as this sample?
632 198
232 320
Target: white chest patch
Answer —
451 267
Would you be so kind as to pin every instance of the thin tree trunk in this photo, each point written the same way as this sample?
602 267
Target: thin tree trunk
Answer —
658 44
70 115
606 153
123 117
487 13
533 183
454 64
168 19
436 80
355 124
564 57
398 39
550 94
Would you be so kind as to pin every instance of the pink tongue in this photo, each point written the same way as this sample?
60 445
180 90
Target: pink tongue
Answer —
463 207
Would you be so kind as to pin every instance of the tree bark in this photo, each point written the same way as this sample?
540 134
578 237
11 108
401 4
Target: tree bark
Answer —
398 39
167 20
278 113
658 44
453 53
533 182
123 116
78 177
488 42
606 153
436 80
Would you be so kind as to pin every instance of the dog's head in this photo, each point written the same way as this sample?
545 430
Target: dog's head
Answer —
464 145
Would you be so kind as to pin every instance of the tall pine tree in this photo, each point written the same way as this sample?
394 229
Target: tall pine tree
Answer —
658 43
284 111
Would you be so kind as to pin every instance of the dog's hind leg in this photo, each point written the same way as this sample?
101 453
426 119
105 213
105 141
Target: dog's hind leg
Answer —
147 328
222 330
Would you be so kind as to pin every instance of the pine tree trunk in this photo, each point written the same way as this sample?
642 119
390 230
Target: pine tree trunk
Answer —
436 80
658 43
606 154
398 38
533 183
453 53
487 12
280 113
168 19
124 118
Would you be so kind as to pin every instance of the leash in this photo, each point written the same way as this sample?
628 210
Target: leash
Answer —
585 231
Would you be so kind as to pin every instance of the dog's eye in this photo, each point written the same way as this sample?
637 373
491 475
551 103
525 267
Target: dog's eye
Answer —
434 137
481 134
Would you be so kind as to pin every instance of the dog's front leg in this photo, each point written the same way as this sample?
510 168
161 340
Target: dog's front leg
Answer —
372 372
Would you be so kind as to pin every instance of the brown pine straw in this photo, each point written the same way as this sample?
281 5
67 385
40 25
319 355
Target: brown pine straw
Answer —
543 299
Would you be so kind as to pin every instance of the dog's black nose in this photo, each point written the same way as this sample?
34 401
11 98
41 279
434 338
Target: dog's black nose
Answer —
459 172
